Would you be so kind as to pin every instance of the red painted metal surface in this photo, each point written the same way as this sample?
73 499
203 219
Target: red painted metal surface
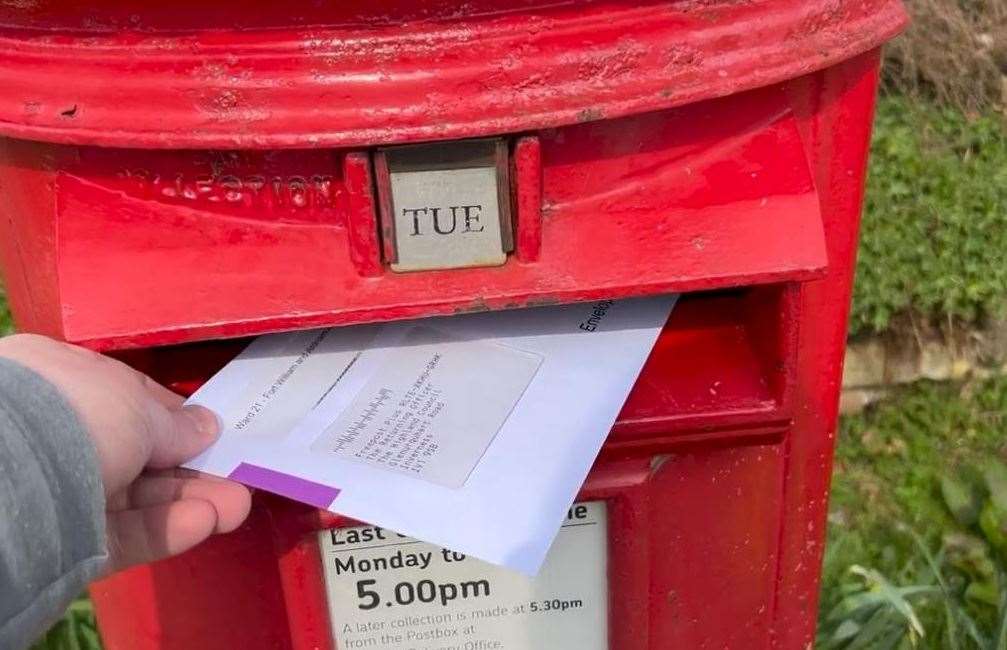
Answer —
527 162
361 215
355 73
712 147
139 237
836 106
226 595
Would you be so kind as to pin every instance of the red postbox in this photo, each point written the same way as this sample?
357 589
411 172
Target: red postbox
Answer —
177 178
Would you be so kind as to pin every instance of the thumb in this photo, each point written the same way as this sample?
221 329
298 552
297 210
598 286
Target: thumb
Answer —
177 435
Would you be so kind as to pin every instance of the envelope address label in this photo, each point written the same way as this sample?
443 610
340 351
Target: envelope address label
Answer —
434 408
393 592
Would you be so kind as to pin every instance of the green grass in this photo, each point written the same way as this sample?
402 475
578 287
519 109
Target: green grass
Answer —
919 503
917 539
76 630
935 219
6 323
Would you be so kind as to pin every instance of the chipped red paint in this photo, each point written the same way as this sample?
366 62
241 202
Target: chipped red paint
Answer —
361 215
727 202
711 147
528 198
362 73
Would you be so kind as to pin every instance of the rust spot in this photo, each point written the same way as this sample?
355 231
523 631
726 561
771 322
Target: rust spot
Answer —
599 67
590 115
226 100
476 306
657 462
682 57
544 301
22 5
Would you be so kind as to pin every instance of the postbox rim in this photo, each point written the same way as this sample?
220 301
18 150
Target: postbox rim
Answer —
418 81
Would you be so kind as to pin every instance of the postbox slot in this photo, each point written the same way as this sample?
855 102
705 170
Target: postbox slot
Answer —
722 367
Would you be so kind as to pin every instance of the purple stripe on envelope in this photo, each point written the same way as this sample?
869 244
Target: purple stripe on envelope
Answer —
298 489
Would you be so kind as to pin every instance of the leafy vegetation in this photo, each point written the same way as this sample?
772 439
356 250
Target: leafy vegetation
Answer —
75 631
954 53
935 220
917 549
6 324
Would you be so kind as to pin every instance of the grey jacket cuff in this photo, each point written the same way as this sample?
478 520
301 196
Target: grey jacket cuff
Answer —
52 526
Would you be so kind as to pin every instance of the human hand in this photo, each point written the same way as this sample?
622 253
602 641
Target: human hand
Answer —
142 433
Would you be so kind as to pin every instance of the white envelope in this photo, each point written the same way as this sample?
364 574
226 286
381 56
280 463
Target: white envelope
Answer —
470 432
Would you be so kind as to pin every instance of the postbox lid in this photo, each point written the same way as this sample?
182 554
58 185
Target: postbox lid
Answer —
264 75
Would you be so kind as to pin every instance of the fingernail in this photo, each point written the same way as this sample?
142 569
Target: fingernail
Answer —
204 419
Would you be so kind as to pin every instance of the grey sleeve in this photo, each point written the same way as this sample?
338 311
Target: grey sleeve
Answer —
52 507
